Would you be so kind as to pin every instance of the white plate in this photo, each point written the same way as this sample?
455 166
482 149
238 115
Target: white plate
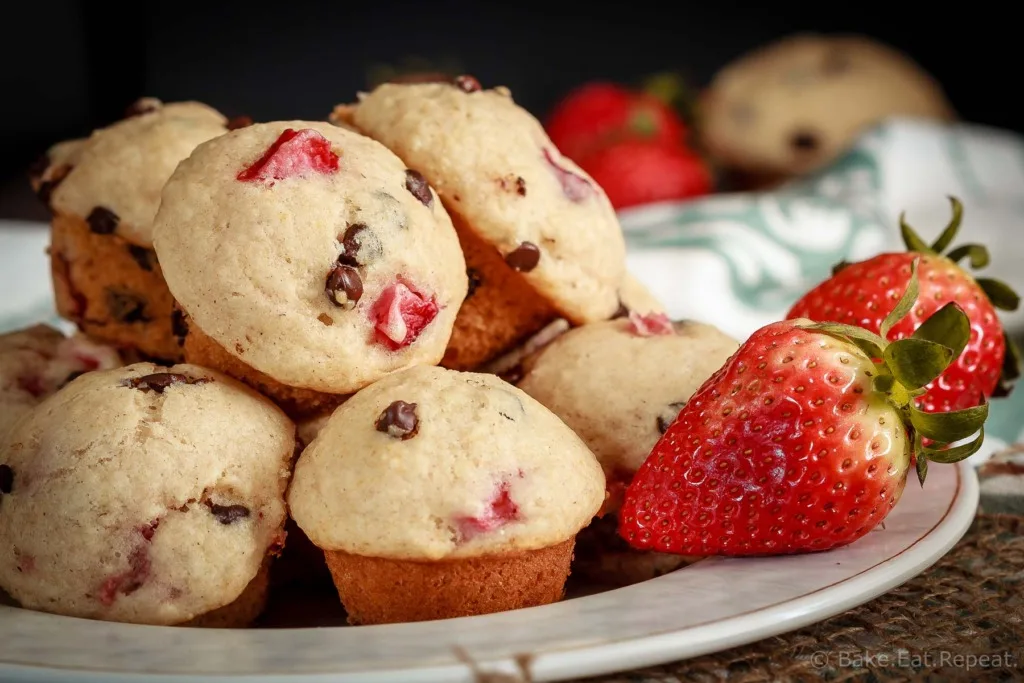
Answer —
710 606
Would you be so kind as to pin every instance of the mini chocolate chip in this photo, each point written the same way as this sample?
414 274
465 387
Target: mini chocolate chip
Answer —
146 258
39 166
669 415
399 420
228 514
804 141
141 106
475 280
126 307
179 326
6 478
466 83
237 122
360 246
72 377
159 381
524 258
344 286
520 186
418 186
102 221
621 312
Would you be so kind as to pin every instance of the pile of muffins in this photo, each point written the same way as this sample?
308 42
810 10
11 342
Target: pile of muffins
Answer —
399 346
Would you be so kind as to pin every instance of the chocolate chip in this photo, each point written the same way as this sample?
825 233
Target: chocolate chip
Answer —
475 280
6 478
466 83
39 166
126 307
159 381
418 186
146 258
515 184
344 286
360 246
237 122
399 421
524 258
520 186
228 514
669 415
102 221
142 106
179 326
804 141
621 312
72 377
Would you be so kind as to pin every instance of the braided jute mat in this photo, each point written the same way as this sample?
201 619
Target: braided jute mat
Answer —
962 619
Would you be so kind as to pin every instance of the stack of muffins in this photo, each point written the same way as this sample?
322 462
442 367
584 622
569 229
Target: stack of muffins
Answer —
363 278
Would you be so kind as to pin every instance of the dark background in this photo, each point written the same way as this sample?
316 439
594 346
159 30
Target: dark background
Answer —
73 66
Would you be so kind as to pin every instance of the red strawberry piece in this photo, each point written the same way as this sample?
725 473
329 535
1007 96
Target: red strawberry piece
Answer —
635 172
294 153
575 187
650 325
800 442
401 314
139 567
32 384
501 510
864 293
597 114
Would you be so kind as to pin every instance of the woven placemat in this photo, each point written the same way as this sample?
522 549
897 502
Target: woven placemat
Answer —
963 619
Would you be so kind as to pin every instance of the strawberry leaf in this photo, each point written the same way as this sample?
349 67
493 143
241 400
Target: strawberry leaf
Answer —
949 427
921 466
949 234
905 303
883 383
916 362
839 266
911 238
977 253
1000 294
951 454
868 342
948 326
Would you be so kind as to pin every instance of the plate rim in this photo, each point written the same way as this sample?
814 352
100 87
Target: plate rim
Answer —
611 655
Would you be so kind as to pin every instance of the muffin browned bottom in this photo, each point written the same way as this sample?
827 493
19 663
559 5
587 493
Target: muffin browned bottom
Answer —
500 313
111 289
245 609
297 402
378 590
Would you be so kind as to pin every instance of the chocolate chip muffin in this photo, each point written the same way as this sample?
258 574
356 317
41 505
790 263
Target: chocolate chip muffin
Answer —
797 104
145 494
541 239
438 494
103 192
39 360
307 261
619 385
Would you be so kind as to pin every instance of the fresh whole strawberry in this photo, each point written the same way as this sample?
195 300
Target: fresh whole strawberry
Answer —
600 113
800 442
864 293
634 172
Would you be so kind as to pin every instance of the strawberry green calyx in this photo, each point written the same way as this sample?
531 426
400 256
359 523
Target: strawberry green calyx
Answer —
904 367
999 293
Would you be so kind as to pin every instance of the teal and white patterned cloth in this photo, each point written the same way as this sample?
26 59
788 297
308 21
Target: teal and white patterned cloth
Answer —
740 261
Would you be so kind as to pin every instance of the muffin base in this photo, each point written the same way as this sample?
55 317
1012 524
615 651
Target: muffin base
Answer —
244 610
378 590
112 289
602 556
503 311
297 402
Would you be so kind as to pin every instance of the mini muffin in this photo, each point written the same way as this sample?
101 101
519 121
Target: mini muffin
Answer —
37 361
438 494
308 262
619 385
541 239
147 495
797 104
103 192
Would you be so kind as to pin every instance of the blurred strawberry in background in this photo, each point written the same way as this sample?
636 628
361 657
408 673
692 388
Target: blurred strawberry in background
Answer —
632 141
